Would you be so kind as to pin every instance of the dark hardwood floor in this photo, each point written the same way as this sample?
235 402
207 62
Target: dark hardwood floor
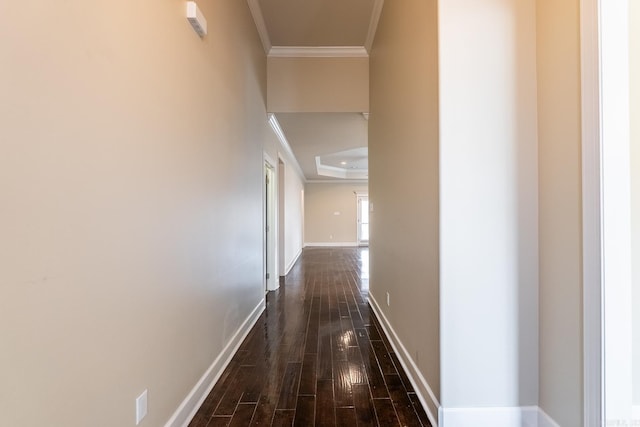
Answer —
317 356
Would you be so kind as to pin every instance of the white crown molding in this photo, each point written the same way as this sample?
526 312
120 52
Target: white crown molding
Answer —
261 26
373 25
318 52
275 125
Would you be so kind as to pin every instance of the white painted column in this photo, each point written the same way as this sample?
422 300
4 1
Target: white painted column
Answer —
489 223
616 210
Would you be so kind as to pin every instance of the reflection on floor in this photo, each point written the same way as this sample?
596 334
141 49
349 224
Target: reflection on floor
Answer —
317 356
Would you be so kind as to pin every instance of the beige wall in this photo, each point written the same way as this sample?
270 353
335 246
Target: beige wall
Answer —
131 220
318 85
560 210
403 178
293 215
634 74
322 202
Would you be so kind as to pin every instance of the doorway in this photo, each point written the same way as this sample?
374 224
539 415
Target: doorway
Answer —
281 218
363 219
269 227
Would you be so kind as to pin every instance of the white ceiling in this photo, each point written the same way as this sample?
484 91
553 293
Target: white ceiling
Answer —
321 23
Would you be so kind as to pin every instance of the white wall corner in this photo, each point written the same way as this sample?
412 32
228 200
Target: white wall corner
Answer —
190 405
421 386
522 416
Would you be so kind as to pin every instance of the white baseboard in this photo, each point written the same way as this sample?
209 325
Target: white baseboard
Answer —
421 386
190 405
544 420
330 244
292 263
525 416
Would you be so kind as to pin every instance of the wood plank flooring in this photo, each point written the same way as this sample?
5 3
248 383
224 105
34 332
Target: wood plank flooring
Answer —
316 357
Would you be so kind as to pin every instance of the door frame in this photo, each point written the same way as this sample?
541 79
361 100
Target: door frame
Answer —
607 287
281 176
269 227
360 195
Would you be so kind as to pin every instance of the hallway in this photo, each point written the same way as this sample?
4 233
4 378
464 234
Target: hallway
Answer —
317 356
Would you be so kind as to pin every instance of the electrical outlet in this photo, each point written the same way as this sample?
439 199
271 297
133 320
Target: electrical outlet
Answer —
388 300
141 407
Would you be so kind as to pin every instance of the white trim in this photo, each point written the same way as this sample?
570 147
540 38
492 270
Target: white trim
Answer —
267 158
420 384
190 405
606 211
318 52
373 24
544 420
616 210
591 214
293 262
270 267
277 129
281 172
261 26
517 416
330 244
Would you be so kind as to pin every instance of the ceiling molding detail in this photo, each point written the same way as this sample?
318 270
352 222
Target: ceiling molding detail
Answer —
256 11
342 173
318 52
373 25
273 121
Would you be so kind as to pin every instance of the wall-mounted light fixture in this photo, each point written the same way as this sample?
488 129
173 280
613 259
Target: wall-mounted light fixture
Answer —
196 19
